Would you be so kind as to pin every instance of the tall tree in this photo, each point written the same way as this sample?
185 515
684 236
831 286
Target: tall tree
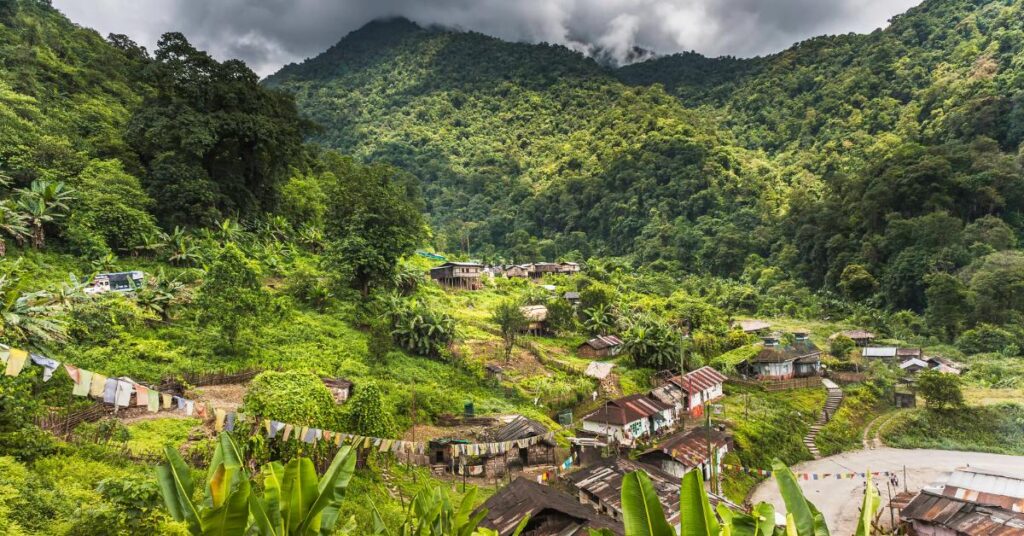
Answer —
375 218
214 142
232 296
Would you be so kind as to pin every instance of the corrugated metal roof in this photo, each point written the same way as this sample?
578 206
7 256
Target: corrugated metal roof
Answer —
599 369
878 351
670 394
604 481
519 428
523 497
699 380
603 341
987 486
626 410
962 517
690 447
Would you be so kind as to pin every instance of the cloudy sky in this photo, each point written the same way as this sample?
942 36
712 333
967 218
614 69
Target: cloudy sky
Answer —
270 33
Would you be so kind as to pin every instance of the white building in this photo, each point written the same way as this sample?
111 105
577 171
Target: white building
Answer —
629 418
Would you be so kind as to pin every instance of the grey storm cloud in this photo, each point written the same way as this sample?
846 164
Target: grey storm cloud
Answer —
270 33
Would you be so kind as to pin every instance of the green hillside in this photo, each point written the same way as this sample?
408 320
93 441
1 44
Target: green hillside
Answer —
887 156
532 150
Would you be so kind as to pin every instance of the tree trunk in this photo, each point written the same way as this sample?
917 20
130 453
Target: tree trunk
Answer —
38 237
3 247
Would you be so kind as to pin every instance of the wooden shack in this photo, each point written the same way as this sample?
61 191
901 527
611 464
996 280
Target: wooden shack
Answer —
601 346
459 275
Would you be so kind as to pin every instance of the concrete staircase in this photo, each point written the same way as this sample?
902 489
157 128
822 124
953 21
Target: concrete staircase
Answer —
832 402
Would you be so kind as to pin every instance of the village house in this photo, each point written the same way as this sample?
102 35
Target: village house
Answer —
903 354
116 282
778 361
859 336
569 268
752 326
572 297
542 453
600 346
536 318
551 512
629 418
538 270
689 393
688 450
973 501
459 275
517 270
936 363
600 487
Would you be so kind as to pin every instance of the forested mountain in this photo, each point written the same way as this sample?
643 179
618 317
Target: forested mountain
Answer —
889 157
534 150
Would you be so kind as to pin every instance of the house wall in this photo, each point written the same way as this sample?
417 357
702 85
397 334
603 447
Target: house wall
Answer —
782 371
667 423
604 429
712 393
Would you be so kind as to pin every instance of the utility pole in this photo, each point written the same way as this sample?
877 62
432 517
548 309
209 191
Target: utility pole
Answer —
711 461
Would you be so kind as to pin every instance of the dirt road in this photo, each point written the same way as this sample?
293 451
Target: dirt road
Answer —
840 500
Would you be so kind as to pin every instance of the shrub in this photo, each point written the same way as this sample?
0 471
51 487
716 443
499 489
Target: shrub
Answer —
985 338
365 413
293 397
104 318
940 390
841 345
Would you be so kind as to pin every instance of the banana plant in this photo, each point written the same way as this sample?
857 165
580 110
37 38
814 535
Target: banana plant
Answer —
225 509
431 513
643 515
294 503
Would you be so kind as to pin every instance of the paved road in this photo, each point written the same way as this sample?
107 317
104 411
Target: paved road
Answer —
840 500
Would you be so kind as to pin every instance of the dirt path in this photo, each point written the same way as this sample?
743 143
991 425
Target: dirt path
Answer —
872 438
840 500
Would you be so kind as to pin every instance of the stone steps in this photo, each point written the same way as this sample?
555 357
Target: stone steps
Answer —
832 402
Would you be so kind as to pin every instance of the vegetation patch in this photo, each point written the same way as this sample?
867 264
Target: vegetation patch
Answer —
997 428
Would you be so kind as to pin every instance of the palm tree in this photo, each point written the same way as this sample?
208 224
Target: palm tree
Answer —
11 223
598 319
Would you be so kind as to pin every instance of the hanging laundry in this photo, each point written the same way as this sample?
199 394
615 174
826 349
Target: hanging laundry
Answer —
190 407
287 432
273 428
154 402
141 395
73 372
179 402
166 399
123 396
202 411
15 361
49 365
99 382
83 383
229 422
309 435
218 419
109 390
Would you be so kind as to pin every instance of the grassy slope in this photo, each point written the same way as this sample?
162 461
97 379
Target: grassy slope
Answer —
994 428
